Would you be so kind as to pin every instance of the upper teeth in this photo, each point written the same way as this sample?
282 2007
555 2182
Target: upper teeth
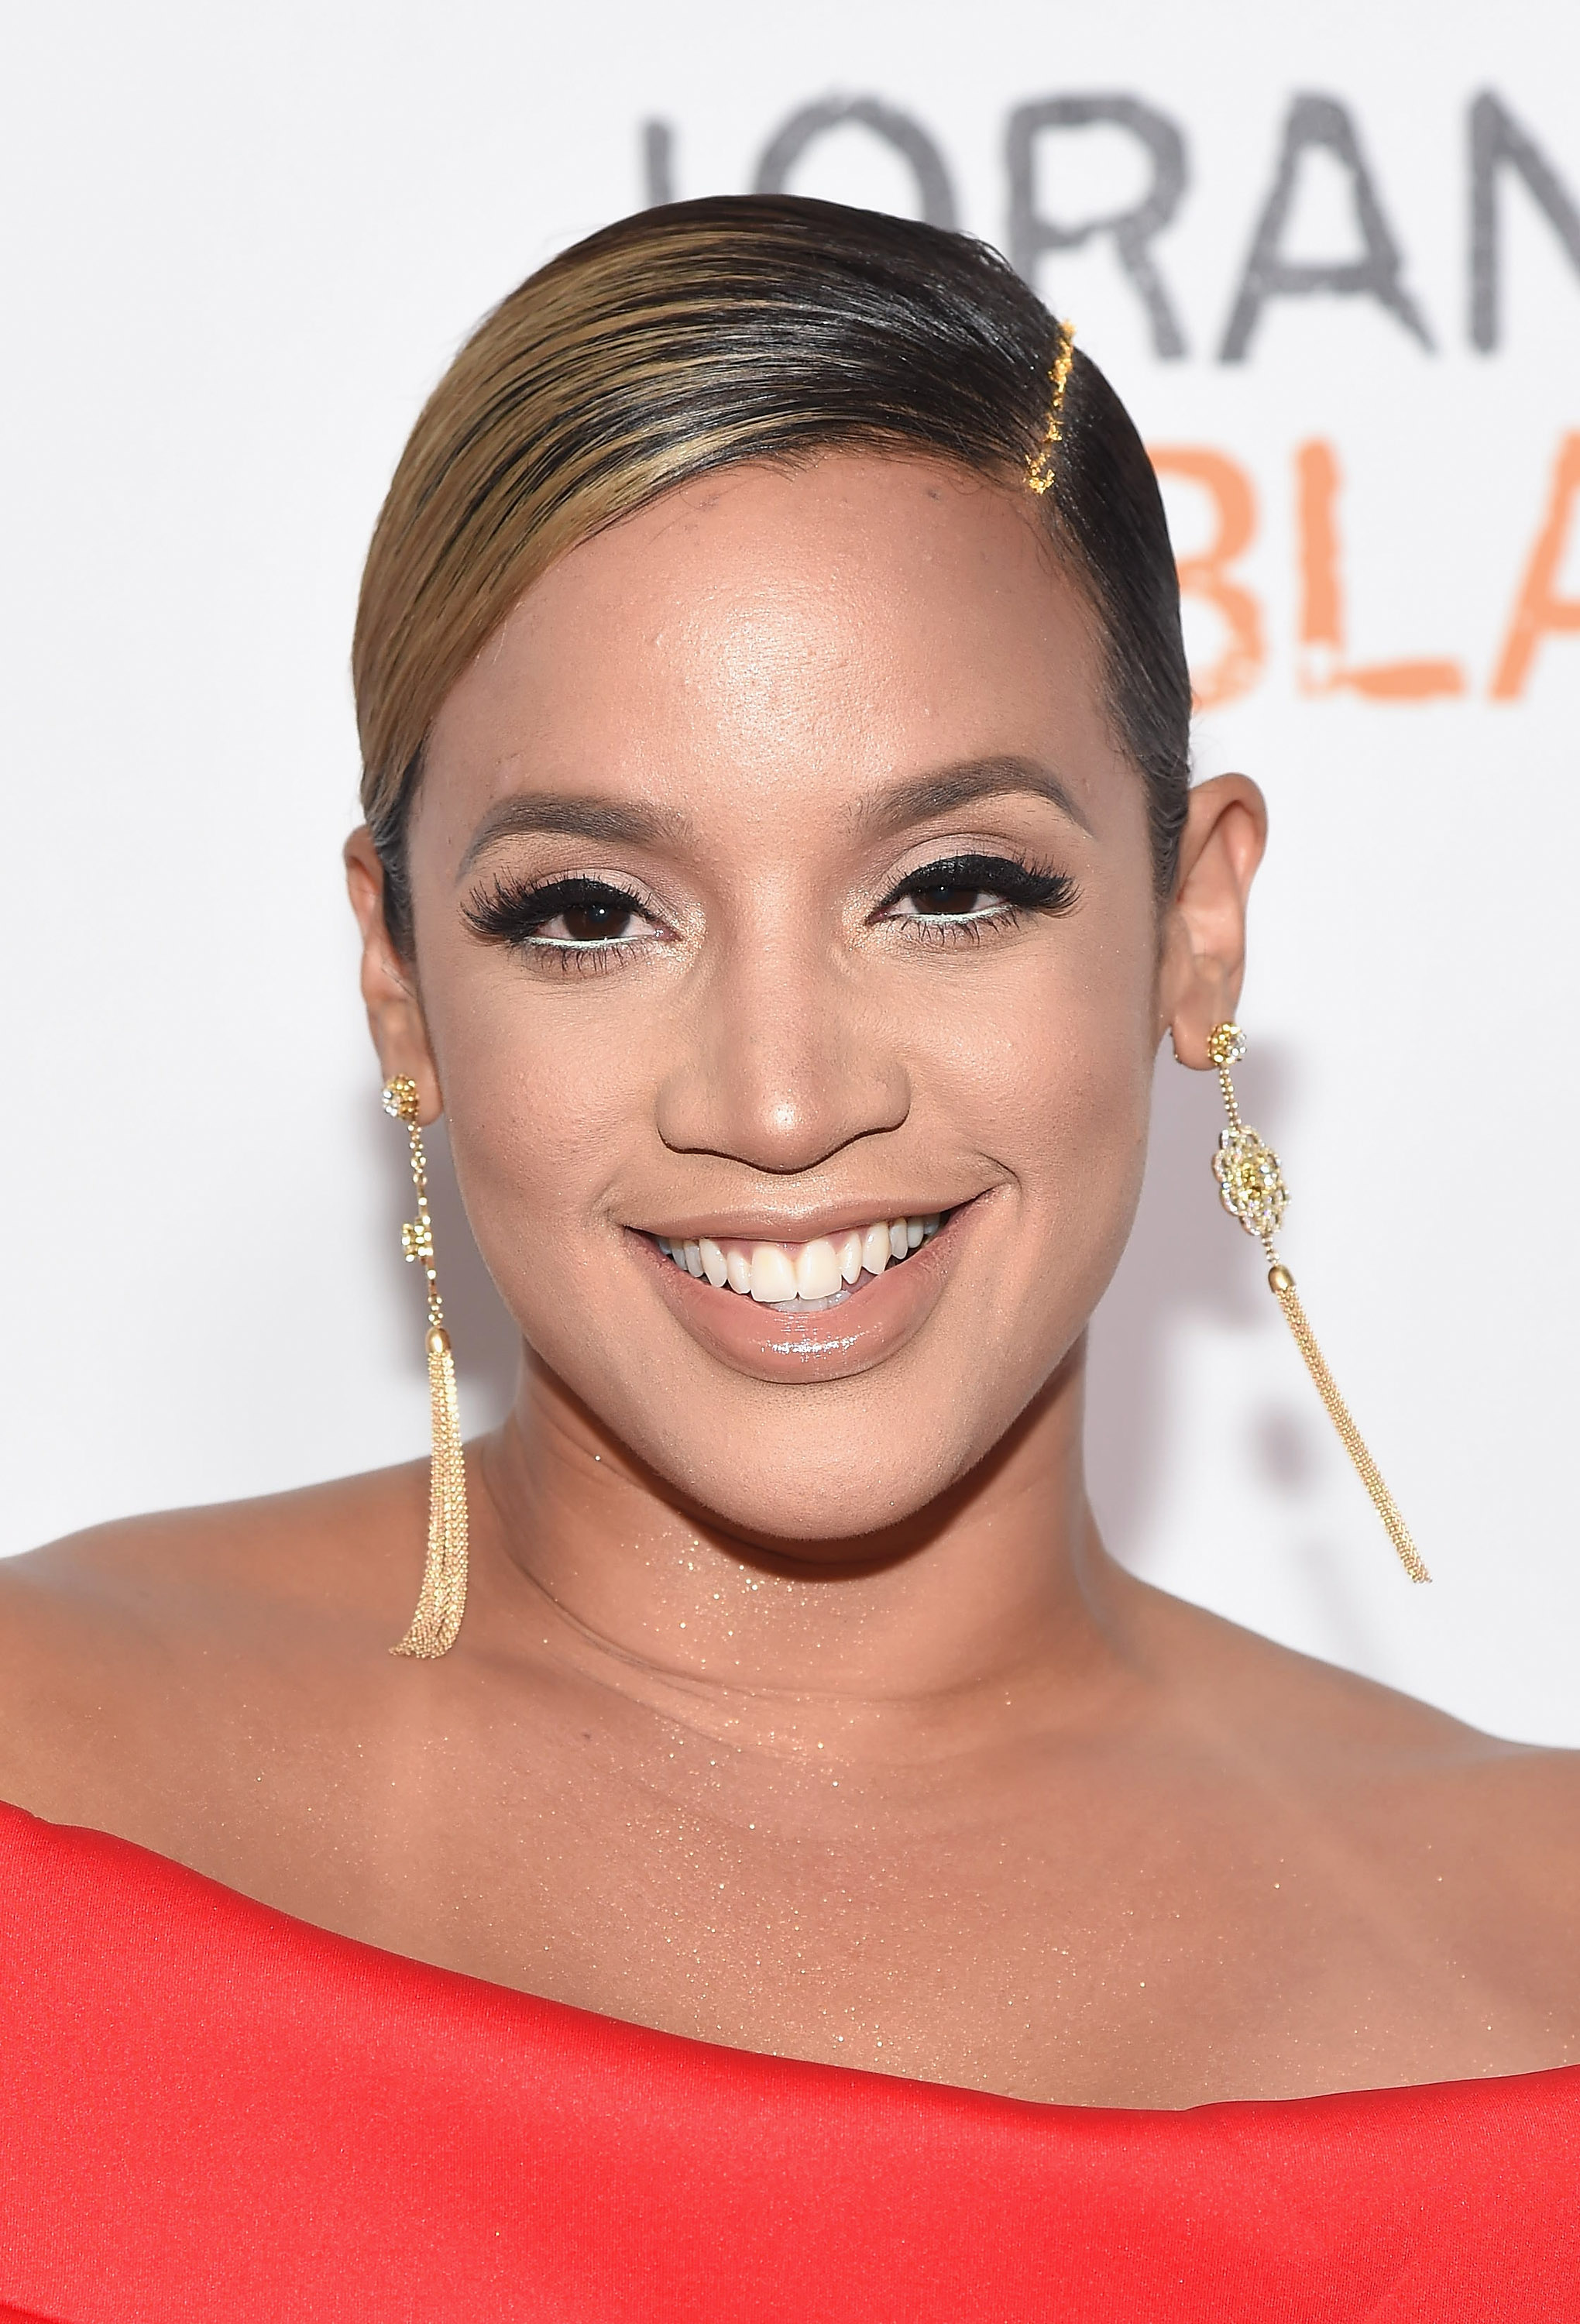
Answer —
774 1272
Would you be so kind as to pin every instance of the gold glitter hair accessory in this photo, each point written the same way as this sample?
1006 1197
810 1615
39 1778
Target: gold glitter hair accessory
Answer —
1040 474
443 1597
1251 1188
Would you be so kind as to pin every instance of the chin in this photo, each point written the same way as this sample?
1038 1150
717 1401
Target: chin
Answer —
836 1521
862 1464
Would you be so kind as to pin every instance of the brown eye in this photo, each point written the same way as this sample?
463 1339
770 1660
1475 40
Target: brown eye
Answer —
596 920
978 889
944 903
577 915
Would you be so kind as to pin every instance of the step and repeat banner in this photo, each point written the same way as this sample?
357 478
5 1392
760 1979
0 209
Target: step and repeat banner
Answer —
1332 261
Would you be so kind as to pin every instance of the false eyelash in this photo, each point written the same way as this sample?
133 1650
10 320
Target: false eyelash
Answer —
512 911
1021 886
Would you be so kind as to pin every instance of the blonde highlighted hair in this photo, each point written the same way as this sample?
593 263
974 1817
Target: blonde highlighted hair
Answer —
710 333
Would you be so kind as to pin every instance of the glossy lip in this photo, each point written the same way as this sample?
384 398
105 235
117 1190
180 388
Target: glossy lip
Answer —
882 1313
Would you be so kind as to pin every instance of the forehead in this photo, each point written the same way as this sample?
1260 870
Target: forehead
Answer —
768 633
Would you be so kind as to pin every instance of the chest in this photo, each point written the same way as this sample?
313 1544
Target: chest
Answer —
1129 1927
1039 1930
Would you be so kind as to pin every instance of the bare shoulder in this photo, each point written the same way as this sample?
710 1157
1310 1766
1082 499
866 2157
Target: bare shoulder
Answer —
108 1632
1410 1784
1276 1692
310 1544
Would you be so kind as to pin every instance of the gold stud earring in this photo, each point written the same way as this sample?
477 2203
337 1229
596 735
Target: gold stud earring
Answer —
442 1601
1252 1190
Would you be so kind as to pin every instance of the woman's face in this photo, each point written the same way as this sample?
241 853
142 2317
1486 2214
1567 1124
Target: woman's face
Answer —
778 878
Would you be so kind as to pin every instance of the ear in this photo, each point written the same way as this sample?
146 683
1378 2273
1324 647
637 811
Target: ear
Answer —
389 985
1204 942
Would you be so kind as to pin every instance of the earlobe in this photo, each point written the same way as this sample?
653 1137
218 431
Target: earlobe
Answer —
389 987
1203 949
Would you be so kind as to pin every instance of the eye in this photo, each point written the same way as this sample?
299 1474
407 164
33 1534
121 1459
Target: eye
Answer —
577 915
942 900
595 918
974 888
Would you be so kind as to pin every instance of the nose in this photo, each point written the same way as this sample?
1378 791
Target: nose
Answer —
785 1055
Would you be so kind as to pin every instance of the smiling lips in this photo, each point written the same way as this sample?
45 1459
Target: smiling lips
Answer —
798 1279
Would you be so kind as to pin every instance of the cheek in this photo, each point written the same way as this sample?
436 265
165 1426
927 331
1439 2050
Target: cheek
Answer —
547 1086
1056 1083
1084 1182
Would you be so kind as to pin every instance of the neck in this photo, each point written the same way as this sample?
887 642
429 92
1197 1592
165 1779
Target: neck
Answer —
953 1613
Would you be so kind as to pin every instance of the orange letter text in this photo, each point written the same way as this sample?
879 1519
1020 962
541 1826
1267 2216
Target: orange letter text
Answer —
1538 612
1205 576
1323 669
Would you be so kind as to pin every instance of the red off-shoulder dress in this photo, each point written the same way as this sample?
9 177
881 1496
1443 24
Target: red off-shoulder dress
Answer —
210 2110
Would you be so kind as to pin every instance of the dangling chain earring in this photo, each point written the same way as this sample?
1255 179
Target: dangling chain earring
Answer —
1253 1192
443 1597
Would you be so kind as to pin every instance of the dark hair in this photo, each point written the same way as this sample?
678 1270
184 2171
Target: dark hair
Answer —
751 328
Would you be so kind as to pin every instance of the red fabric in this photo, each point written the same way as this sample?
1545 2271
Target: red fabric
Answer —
210 2110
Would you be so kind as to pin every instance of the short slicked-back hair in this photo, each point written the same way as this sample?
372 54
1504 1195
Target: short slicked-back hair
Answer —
749 328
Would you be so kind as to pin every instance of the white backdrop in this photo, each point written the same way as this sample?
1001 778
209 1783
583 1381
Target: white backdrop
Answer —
242 242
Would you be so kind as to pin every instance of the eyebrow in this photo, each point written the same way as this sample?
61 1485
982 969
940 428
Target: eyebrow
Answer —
947 788
634 823
628 823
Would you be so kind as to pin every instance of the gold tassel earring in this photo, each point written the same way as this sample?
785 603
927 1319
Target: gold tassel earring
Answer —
1253 1192
443 1597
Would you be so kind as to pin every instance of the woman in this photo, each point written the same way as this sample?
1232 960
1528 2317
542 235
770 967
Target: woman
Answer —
780 867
